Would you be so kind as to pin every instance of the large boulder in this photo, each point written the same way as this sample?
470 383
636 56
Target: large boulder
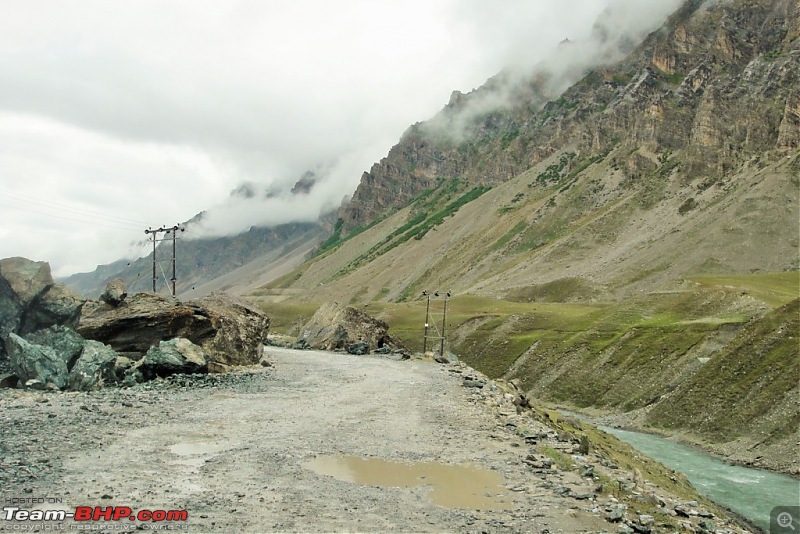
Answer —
36 365
58 305
228 329
335 327
177 355
30 300
65 341
240 330
94 368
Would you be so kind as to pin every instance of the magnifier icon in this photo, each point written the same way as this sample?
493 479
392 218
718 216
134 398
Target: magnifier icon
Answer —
785 520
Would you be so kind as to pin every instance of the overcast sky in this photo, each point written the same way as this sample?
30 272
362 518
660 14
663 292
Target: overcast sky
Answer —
116 116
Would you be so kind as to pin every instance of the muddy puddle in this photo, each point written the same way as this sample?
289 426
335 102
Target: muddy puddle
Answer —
452 486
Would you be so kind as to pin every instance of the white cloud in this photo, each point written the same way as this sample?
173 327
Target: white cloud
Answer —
153 111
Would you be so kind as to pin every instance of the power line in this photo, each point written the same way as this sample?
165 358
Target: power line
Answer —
85 220
80 211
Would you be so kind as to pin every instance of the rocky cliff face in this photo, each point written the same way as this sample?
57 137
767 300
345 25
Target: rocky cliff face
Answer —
708 91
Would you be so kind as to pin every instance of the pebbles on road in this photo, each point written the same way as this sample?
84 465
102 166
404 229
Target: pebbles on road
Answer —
237 452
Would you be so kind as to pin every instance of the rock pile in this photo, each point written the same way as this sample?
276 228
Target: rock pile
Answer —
30 300
51 338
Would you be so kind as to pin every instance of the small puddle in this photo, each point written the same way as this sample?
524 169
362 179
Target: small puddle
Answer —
453 486
197 448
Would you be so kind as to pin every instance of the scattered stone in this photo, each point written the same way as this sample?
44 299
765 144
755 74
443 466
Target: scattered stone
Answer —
219 368
386 349
173 357
122 367
8 380
615 513
116 292
706 526
359 348
94 368
472 383
683 512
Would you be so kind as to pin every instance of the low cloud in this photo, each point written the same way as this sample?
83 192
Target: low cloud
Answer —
154 111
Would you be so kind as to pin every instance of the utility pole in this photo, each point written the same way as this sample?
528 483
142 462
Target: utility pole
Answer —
174 231
444 321
427 315
440 336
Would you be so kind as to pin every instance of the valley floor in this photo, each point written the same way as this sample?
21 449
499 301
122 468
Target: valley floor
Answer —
235 451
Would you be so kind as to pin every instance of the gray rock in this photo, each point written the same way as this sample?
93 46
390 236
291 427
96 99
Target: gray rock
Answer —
334 326
30 300
116 292
25 278
94 368
386 349
172 357
122 366
58 305
706 526
65 341
239 329
229 329
615 513
36 362
358 348
472 383
8 380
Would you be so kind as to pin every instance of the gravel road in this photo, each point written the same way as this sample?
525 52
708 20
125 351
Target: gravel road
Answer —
240 452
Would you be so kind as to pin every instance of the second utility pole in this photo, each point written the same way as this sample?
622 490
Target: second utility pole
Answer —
155 233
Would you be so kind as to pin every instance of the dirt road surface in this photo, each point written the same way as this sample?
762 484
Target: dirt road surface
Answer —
242 452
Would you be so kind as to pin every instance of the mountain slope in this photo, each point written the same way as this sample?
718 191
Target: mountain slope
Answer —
718 81
606 244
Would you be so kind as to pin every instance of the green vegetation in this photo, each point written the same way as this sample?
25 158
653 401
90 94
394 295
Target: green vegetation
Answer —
336 239
554 173
560 290
687 206
425 219
508 236
753 373
775 289
287 317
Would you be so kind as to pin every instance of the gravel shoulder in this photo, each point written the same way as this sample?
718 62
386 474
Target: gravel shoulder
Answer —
233 449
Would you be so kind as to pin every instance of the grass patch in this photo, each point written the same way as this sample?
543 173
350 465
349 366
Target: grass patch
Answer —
288 318
508 236
418 225
775 289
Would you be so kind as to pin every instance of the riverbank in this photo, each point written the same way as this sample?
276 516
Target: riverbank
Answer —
784 460
746 491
